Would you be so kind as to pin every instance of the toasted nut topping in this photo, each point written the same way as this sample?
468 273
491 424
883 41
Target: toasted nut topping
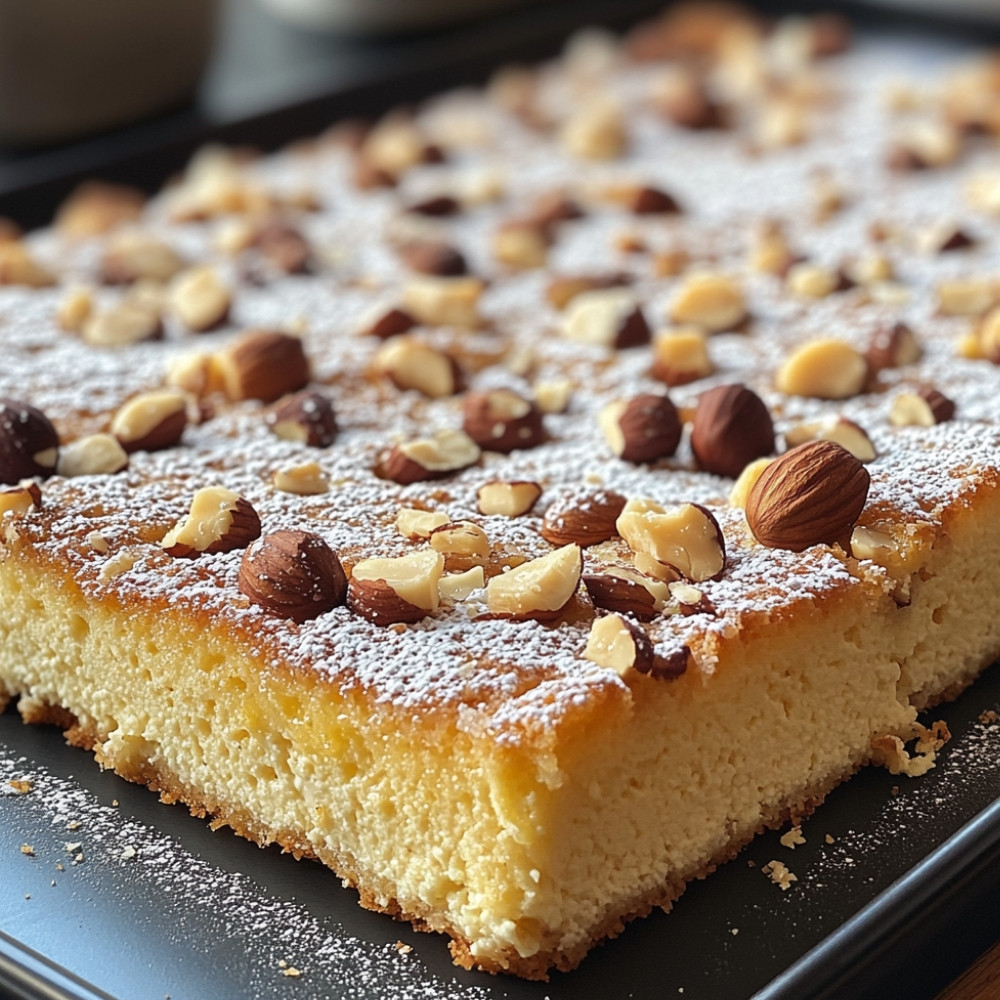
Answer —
923 408
554 396
712 301
417 525
745 481
623 589
652 201
461 538
306 479
283 246
411 364
690 600
292 574
508 499
967 296
394 145
681 355
770 252
95 208
521 244
192 373
944 238
686 538
892 346
824 369
899 548
670 263
683 98
458 586
219 521
200 300
435 258
501 420
811 281
596 131
307 417
870 269
151 421
444 301
732 426
94 455
539 588
437 206
812 494
133 256
404 589
262 364
75 309
925 145
129 322
29 444
782 123
607 317
642 429
391 323
20 499
840 430
561 291
429 458
986 338
583 520
620 645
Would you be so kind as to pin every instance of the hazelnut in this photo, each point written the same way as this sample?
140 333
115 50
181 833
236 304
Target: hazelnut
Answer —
435 258
891 347
607 317
391 323
620 645
437 206
811 281
262 364
458 586
507 499
151 421
583 520
923 408
595 131
840 430
219 520
403 589
501 420
823 369
686 539
29 444
683 98
521 244
412 364
812 494
539 589
93 455
128 322
283 246
740 492
435 301
462 543
192 373
200 300
75 308
554 395
560 291
714 302
681 356
732 427
624 590
96 207
292 574
307 417
132 256
417 525
420 459
306 479
967 296
642 429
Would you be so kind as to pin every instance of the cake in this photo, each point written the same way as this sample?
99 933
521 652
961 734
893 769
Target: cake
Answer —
521 502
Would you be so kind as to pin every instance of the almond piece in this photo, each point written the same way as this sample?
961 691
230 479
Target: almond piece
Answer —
431 457
891 347
583 520
435 301
29 444
608 317
923 408
457 586
129 322
811 495
681 356
132 256
391 323
151 421
192 373
411 364
435 258
93 455
561 291
553 396
740 492
507 499
731 427
500 420
685 538
292 574
20 499
642 429
521 244
306 479
200 300
712 301
219 520
75 308
595 131
403 589
306 417
624 590
620 645
539 588
262 364
844 432
823 369
96 207
417 525
19 267
462 543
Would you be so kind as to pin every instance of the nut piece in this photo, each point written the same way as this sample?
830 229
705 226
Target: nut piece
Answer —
812 494
220 520
596 131
967 296
390 324
508 499
411 364
129 322
437 301
620 645
404 589
29 444
642 429
151 421
417 525
539 588
583 520
898 547
132 256
732 426
923 408
292 574
501 420
464 540
95 208
606 317
193 373
262 364
306 479
19 267
714 302
620 588
824 369
740 492
94 455
521 244
891 347
686 539
200 300
434 257
561 291
842 431
652 201
431 457
20 499
681 355
307 417
75 308
458 586
810 281
554 396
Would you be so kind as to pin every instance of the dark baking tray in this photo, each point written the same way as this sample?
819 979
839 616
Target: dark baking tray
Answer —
917 900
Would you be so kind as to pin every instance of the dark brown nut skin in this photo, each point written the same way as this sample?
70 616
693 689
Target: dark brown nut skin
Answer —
651 426
437 207
634 331
615 593
583 520
493 431
310 415
27 442
380 604
391 324
284 247
292 574
940 405
891 346
653 201
434 257
166 434
732 427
